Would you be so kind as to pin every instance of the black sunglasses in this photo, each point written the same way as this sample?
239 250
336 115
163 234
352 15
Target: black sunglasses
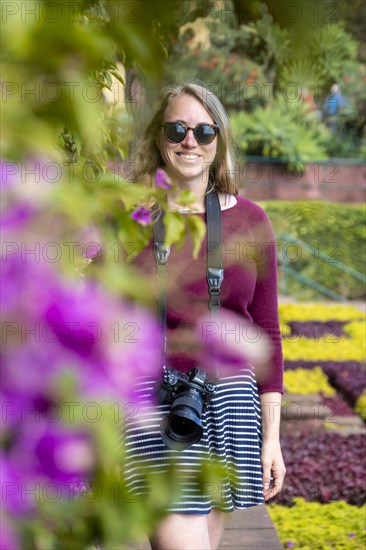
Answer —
175 132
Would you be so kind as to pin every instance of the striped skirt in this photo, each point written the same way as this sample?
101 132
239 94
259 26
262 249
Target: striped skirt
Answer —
231 442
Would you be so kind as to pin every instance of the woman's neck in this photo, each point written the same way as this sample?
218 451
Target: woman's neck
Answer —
198 191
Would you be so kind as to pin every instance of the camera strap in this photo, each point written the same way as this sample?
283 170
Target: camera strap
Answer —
215 271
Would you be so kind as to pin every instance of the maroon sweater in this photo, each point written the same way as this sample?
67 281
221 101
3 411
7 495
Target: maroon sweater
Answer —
249 287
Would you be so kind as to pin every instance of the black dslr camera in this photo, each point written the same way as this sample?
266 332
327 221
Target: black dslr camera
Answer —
188 394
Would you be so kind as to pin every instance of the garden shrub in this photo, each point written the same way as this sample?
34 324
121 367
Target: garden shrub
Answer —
356 329
336 230
303 381
314 526
347 377
317 329
323 467
281 129
337 406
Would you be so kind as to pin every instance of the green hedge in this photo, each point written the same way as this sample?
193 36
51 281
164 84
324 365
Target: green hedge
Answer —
331 228
315 526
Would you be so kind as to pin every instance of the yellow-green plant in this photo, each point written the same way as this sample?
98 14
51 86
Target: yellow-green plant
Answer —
360 406
305 381
315 526
326 348
318 312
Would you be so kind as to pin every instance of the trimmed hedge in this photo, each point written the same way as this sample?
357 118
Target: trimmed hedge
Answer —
318 312
347 377
337 406
314 526
304 382
323 467
317 329
334 229
327 348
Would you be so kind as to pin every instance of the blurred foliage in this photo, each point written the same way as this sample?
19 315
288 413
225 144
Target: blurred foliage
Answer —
336 230
62 92
60 129
354 15
316 526
58 59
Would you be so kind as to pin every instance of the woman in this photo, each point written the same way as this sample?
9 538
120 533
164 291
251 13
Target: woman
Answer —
190 138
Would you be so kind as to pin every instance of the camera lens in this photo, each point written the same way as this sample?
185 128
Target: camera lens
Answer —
182 427
179 433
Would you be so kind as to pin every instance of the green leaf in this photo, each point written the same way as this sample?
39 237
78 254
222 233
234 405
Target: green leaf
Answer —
132 193
197 227
174 228
118 76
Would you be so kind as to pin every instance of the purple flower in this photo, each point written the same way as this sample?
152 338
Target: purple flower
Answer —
8 538
13 483
290 544
162 179
15 216
29 368
26 283
90 242
51 324
134 349
9 174
142 215
63 454
74 317
119 341
351 535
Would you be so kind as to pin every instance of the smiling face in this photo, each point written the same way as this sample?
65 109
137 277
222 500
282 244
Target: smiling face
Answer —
187 163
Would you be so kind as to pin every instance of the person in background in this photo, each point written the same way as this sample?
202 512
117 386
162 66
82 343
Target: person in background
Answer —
334 102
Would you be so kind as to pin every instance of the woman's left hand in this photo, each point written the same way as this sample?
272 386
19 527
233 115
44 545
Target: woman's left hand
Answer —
272 463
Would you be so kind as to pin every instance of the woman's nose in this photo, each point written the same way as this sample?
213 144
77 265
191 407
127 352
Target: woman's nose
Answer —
189 140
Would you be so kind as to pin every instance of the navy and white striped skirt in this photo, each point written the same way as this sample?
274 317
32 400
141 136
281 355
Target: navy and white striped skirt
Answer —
231 440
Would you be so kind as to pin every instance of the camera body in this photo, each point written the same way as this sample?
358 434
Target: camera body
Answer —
188 395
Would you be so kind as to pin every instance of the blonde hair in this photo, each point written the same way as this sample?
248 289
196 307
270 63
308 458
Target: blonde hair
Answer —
148 158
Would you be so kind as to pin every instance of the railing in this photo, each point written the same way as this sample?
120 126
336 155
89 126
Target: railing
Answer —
289 271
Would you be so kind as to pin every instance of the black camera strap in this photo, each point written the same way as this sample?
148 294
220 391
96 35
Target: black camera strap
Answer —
161 253
215 271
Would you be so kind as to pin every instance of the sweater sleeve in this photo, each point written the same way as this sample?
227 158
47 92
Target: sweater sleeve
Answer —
264 306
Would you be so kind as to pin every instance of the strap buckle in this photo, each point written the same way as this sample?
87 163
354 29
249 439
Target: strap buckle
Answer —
215 276
161 253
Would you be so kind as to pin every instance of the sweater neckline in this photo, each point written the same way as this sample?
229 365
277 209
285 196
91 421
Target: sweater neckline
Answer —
203 213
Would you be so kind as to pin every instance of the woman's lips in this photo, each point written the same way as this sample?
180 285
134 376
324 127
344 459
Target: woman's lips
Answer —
189 157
